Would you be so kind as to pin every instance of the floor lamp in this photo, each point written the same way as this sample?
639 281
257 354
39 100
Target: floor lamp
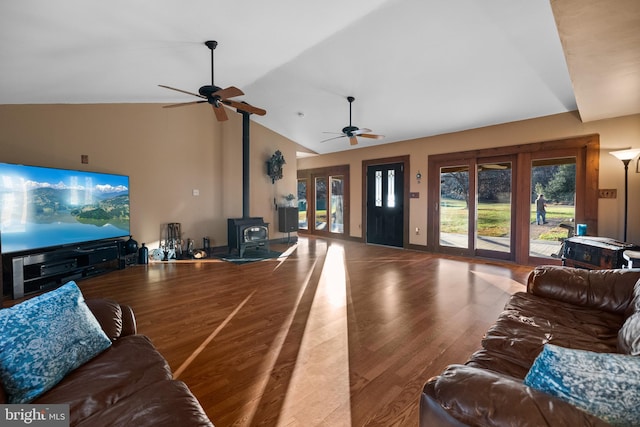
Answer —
626 156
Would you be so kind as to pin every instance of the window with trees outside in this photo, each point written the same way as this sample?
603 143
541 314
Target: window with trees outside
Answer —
488 203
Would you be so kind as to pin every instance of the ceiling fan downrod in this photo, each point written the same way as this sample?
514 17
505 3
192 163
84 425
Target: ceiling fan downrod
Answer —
212 44
350 129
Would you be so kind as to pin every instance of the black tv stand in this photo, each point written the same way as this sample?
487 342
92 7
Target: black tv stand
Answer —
34 271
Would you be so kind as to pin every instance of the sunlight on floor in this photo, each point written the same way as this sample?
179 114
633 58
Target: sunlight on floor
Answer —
283 257
210 338
500 281
320 379
271 356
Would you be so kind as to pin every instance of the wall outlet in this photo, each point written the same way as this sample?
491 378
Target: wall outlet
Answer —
609 193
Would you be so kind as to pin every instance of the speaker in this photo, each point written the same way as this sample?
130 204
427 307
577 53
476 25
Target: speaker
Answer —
287 219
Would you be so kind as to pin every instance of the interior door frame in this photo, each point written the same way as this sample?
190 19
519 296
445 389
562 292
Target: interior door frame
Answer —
309 175
405 160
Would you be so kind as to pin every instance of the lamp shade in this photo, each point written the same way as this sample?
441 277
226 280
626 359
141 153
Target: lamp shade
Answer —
626 154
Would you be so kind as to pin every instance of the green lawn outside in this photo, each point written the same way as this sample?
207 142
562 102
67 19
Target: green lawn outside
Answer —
494 219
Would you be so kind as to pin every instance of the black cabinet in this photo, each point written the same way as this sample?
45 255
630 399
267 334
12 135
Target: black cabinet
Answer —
34 271
595 252
287 219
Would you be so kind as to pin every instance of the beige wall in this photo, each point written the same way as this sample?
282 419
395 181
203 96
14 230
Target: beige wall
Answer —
264 143
166 152
170 152
614 134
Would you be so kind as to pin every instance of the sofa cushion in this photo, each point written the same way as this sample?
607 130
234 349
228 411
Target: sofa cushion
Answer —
132 363
163 404
605 290
43 339
629 336
478 397
497 362
605 385
529 322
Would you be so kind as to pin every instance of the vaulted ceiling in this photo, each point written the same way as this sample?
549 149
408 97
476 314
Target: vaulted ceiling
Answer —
416 68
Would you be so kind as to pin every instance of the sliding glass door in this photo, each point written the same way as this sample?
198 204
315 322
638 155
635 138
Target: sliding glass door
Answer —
476 209
486 202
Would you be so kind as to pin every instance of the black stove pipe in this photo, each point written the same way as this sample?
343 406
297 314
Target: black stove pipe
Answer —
245 164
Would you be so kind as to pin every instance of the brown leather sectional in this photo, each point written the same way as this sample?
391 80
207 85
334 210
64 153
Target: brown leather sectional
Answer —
129 384
573 308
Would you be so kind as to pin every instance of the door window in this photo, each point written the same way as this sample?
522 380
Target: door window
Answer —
494 207
553 210
302 205
336 219
321 203
454 206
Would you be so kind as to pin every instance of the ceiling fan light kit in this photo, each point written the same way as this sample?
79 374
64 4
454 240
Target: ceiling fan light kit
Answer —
352 132
217 97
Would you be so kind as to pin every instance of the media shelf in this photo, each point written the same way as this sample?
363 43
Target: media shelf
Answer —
26 273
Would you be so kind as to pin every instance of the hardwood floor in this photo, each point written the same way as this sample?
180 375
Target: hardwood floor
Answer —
337 334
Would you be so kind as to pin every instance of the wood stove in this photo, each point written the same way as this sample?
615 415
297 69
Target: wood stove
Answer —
247 233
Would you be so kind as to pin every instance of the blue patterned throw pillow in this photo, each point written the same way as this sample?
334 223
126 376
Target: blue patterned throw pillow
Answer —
43 339
602 384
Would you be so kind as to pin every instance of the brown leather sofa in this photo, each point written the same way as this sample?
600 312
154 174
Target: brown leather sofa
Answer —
572 308
129 384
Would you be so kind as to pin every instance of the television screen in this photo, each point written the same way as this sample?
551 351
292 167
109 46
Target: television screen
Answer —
44 207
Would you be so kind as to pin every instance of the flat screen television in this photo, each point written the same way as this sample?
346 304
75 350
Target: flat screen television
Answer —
44 207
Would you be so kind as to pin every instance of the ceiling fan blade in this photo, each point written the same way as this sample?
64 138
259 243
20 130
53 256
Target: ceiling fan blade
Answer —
353 140
371 135
335 137
182 104
183 91
221 115
361 131
228 92
243 106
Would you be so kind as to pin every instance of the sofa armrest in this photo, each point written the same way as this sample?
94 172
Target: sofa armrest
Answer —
115 319
129 325
608 290
479 397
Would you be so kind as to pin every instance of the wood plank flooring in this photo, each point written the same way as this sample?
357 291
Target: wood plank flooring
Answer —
337 334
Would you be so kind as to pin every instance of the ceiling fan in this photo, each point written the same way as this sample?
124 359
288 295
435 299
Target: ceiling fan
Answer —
352 132
217 96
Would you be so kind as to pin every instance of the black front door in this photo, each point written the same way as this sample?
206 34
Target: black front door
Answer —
385 204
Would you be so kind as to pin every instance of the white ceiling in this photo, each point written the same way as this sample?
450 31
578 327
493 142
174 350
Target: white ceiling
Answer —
416 67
